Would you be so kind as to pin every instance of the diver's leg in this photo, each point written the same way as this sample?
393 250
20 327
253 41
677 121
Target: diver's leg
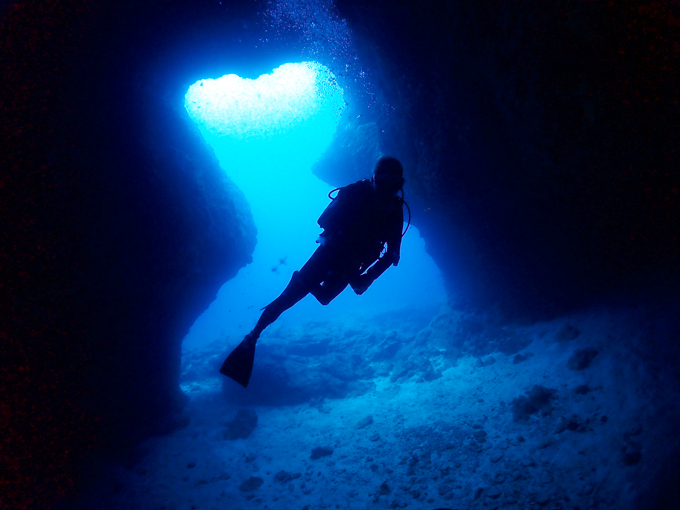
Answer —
301 283
239 364
340 267
294 292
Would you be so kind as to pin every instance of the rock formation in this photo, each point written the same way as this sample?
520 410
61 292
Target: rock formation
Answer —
540 143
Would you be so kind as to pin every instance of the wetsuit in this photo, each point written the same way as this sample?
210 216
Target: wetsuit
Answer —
357 225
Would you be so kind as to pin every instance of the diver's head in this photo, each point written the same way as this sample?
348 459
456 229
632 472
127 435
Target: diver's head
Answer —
388 175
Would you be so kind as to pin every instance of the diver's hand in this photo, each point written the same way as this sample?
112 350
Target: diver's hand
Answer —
361 283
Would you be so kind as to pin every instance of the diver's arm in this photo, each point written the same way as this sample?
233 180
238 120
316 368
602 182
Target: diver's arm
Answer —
362 282
389 258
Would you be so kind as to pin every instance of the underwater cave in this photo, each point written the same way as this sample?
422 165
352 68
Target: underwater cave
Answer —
164 165
268 133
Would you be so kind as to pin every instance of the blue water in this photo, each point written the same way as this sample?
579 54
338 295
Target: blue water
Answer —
267 133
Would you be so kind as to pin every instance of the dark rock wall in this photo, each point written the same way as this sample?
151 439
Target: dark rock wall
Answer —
118 229
540 141
540 144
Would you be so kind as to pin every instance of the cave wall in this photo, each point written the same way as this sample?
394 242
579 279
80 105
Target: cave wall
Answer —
118 229
540 142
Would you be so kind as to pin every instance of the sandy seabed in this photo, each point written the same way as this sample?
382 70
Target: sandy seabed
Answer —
531 429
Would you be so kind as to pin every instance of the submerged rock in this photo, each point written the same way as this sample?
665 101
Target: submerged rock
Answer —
242 425
572 423
251 484
537 399
630 457
480 435
582 389
519 358
418 367
364 423
582 358
285 476
567 333
321 451
486 362
387 350
384 489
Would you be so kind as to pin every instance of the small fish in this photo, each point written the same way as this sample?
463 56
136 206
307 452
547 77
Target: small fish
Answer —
282 262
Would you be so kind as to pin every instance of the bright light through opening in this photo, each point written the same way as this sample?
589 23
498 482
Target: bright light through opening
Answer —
267 133
274 104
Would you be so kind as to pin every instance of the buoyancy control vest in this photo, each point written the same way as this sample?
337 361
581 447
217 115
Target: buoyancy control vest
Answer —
358 219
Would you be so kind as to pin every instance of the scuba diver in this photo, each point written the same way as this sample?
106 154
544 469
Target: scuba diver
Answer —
361 239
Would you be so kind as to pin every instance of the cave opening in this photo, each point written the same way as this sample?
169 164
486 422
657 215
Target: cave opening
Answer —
267 133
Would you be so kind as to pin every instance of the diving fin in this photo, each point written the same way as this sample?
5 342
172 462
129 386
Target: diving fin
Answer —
239 364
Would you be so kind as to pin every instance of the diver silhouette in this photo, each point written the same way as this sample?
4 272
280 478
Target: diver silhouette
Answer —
361 238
